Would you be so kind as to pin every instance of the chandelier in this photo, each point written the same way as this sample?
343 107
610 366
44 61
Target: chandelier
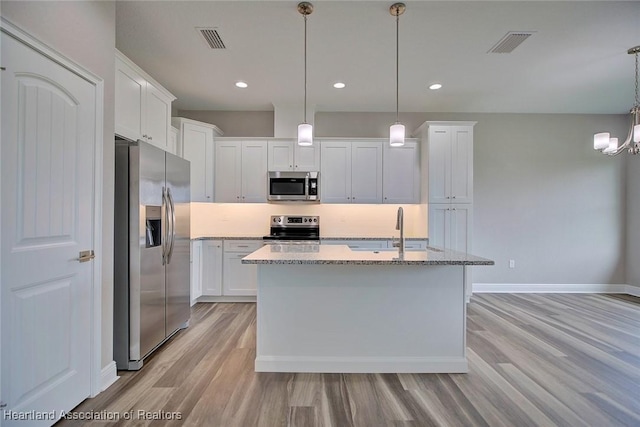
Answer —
603 141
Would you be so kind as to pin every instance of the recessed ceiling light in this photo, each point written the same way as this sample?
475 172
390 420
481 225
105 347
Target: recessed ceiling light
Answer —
241 85
339 85
435 86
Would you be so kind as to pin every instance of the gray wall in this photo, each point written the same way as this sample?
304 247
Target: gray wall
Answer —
633 219
84 32
235 123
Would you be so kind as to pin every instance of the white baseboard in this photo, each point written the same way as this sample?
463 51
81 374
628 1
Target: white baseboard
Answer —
238 298
578 288
109 375
361 364
633 290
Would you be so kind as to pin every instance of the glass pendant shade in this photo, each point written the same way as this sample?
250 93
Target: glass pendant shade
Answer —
396 135
601 140
613 146
305 134
636 133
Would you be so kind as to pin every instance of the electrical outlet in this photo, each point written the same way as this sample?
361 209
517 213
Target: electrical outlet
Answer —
512 263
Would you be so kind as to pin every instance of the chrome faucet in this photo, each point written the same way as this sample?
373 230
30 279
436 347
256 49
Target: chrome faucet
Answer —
400 226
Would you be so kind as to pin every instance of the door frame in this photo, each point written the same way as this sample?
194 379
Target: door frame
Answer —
96 286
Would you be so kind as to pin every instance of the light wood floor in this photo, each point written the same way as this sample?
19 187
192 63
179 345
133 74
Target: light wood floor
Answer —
545 360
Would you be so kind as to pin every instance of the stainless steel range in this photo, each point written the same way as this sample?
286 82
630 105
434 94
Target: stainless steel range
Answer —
293 229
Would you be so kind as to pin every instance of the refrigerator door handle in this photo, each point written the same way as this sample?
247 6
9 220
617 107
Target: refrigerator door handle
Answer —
165 237
173 225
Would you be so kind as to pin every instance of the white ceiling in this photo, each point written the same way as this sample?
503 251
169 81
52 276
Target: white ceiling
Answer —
576 62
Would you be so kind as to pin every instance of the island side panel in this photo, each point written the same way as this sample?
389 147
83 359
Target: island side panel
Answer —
360 318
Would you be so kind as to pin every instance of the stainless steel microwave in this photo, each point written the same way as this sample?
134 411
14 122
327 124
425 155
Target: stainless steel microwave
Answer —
294 186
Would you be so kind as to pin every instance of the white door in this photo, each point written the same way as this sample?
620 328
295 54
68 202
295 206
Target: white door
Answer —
48 142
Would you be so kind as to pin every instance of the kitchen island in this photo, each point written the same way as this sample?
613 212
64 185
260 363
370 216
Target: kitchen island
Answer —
325 308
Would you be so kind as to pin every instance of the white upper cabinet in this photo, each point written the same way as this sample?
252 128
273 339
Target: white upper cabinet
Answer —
196 144
143 106
366 172
351 172
335 174
287 155
254 172
401 173
450 163
241 171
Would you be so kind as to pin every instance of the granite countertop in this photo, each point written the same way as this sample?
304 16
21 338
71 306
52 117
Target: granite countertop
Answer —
321 238
342 254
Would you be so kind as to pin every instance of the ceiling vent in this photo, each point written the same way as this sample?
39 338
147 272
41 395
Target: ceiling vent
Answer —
509 42
212 37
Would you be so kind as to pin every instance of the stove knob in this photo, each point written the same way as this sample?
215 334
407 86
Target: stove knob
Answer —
315 219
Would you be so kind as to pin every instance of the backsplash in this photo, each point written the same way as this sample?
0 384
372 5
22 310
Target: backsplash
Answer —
252 219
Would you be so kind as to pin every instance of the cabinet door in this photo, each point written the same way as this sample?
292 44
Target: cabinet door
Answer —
174 138
439 164
335 174
254 171
129 97
158 117
401 174
366 172
462 164
197 147
307 158
212 268
238 278
460 228
196 268
280 155
228 172
439 225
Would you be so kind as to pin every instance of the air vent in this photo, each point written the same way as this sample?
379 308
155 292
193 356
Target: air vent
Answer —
212 37
509 42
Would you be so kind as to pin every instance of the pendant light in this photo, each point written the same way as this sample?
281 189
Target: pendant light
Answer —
305 130
604 143
396 131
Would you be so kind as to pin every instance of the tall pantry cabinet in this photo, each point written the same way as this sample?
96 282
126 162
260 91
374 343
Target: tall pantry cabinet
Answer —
448 157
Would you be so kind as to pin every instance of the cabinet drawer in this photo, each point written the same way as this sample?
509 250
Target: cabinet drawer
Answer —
247 246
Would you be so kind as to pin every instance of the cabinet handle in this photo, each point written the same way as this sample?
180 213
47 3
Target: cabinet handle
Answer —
208 197
290 166
454 209
150 137
453 197
243 246
144 136
448 197
238 197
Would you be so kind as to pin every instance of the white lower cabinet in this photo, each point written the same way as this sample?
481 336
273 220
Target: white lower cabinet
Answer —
212 268
196 270
239 279
450 226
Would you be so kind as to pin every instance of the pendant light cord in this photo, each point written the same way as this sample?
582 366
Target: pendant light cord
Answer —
398 72
305 68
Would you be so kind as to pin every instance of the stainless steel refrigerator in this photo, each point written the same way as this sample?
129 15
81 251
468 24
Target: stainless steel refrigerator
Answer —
151 250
